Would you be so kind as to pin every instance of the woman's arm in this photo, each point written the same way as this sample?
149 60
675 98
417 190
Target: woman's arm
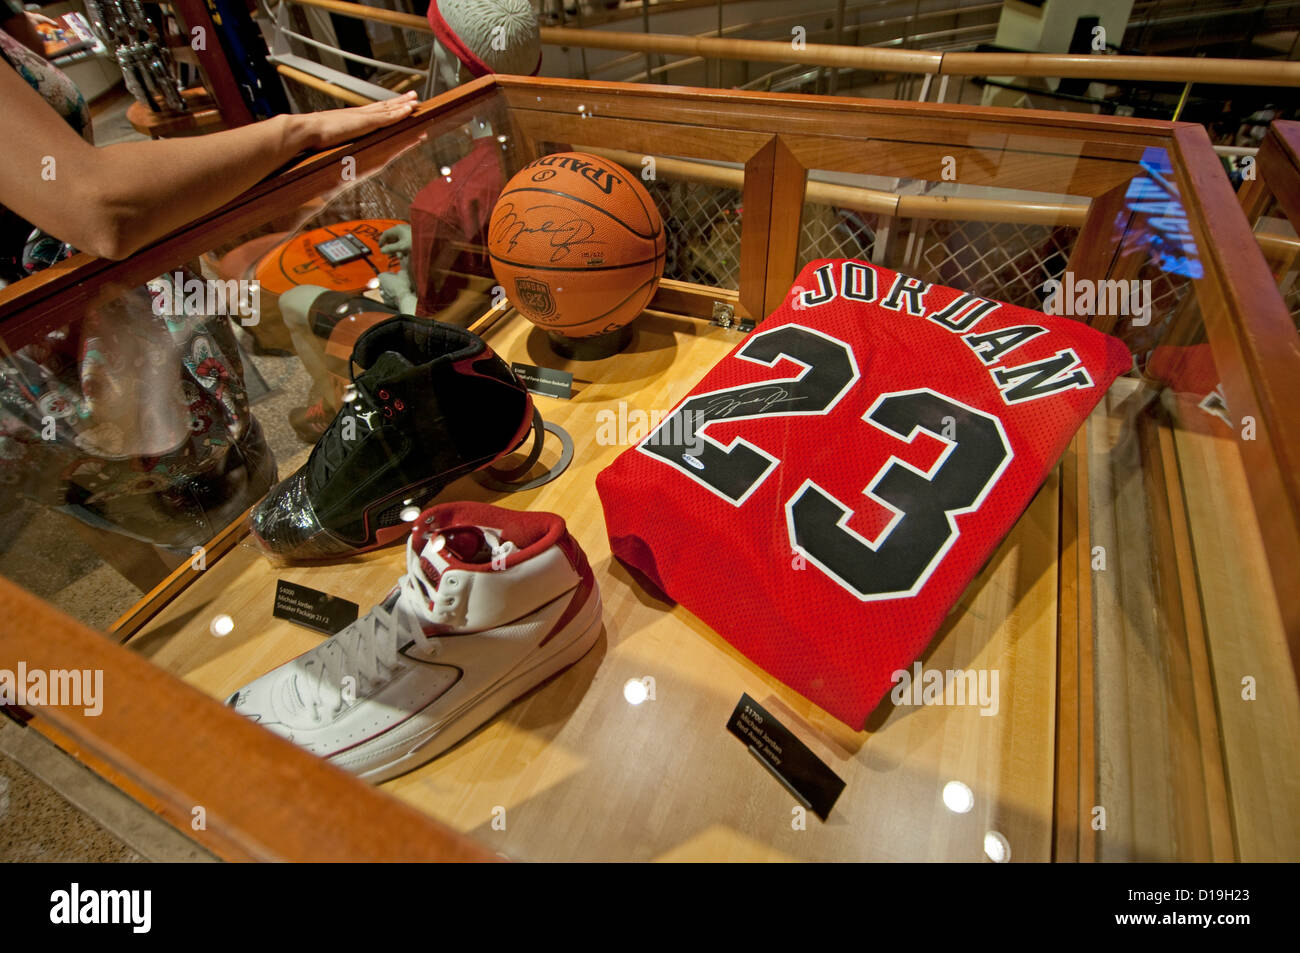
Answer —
21 25
111 201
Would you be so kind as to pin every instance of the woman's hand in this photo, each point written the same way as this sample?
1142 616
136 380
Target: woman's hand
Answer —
323 129
114 200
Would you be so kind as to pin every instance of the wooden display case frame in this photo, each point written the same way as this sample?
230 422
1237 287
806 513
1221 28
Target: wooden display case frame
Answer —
175 748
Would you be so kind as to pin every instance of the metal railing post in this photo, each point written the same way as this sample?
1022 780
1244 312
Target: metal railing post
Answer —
839 41
718 63
645 28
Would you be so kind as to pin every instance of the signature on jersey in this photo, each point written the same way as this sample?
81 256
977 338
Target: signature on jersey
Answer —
565 230
752 403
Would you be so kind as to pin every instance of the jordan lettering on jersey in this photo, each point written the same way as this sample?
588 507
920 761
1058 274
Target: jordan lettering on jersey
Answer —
855 281
826 493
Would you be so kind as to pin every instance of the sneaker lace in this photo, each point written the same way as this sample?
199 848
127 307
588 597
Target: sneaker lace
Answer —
333 447
365 656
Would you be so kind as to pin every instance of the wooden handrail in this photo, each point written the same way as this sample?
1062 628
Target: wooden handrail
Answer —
1165 68
407 21
803 16
599 17
871 58
668 7
1172 69
892 205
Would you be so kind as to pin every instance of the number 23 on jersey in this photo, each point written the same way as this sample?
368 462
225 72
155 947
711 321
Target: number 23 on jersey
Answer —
923 505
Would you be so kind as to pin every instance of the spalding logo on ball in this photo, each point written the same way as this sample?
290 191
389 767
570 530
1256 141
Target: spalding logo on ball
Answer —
577 243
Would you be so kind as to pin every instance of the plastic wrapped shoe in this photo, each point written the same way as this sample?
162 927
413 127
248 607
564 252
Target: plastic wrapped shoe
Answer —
493 603
433 404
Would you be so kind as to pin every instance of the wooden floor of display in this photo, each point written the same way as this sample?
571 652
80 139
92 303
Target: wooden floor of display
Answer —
575 772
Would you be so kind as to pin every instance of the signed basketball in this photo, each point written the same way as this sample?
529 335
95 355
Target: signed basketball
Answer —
341 257
577 244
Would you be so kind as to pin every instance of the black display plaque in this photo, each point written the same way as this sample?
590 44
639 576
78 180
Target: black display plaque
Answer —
544 380
802 773
313 608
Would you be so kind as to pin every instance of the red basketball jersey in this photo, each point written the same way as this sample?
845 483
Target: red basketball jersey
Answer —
825 494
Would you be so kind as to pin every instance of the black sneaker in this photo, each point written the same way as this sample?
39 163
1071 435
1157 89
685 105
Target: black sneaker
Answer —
432 404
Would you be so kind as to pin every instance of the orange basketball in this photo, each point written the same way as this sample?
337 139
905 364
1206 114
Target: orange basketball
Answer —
342 257
577 243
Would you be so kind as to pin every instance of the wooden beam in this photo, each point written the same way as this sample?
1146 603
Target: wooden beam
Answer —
1256 350
1098 249
1072 561
785 227
1279 167
756 226
213 62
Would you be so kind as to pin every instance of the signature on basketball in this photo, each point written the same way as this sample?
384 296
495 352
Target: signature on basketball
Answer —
565 230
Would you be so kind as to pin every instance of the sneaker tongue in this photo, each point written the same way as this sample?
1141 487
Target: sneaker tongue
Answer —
469 544
473 545
447 549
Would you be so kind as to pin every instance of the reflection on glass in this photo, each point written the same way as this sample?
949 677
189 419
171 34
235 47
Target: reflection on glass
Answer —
958 797
996 847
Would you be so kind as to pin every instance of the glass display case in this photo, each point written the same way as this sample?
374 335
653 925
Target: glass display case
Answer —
1137 626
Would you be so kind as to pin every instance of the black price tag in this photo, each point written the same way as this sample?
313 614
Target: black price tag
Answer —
544 380
312 608
803 774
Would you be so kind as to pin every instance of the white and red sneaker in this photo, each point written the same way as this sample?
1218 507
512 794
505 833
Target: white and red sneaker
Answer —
493 603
